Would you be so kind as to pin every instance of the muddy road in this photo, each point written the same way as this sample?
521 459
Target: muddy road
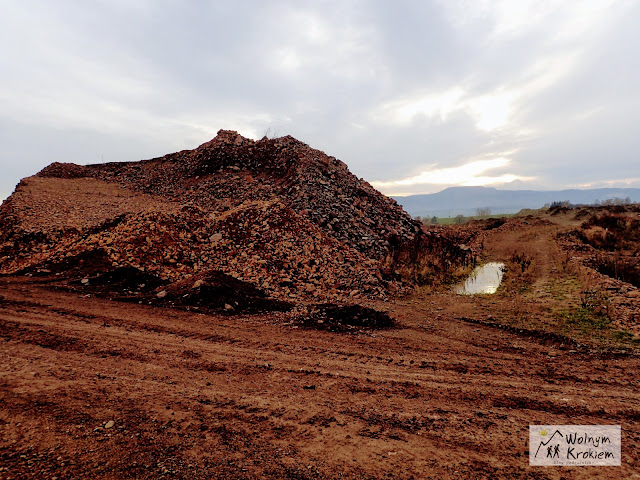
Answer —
91 388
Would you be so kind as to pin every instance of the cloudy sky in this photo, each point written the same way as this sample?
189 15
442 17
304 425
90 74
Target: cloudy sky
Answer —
414 96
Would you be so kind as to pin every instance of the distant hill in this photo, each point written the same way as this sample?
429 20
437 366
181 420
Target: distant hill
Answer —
465 200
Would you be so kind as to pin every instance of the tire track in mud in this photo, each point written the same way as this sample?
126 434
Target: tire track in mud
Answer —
227 394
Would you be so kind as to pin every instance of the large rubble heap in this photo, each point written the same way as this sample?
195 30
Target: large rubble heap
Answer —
274 213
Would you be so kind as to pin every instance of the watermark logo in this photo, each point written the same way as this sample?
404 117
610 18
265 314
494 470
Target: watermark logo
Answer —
574 445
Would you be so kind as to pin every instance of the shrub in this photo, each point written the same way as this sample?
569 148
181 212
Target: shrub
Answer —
521 259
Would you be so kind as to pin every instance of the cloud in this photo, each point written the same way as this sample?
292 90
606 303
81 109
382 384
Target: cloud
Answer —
388 88
307 41
509 19
489 112
468 174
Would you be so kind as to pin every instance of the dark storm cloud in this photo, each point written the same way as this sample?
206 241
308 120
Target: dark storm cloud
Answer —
395 89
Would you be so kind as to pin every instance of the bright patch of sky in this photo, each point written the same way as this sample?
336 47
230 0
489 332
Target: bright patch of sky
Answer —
473 173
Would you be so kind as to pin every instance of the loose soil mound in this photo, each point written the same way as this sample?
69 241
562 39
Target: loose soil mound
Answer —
121 282
86 263
275 214
216 291
346 318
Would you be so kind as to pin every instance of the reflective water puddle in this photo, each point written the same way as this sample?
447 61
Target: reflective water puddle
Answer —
484 279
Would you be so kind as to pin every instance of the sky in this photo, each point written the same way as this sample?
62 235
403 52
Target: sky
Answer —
414 96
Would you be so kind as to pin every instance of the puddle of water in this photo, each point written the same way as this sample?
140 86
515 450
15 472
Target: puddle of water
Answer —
483 279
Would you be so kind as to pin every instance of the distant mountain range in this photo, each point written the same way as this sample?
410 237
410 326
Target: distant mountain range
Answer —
466 200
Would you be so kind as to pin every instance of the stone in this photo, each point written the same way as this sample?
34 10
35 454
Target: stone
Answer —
109 424
161 294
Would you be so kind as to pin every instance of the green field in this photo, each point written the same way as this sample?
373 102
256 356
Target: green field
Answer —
463 219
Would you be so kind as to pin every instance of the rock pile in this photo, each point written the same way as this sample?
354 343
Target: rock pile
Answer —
272 214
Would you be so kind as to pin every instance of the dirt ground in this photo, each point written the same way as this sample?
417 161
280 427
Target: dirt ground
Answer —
93 388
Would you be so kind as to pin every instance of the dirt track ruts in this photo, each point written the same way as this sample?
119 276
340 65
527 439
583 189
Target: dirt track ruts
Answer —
195 396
